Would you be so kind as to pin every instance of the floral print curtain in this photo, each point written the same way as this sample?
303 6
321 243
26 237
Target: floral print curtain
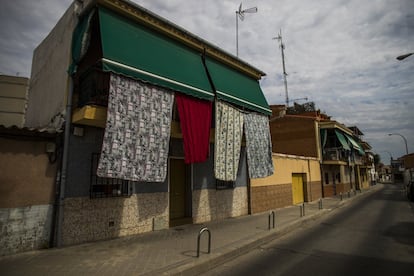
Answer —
228 137
259 145
137 134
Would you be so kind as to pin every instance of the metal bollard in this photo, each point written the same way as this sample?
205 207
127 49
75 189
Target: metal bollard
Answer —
302 209
349 194
320 204
340 195
272 215
354 192
202 230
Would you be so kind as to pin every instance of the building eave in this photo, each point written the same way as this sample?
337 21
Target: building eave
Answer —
162 25
335 125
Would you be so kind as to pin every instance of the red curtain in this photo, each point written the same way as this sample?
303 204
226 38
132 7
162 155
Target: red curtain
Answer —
195 121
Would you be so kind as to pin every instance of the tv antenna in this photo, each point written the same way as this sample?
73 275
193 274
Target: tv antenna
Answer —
240 14
282 48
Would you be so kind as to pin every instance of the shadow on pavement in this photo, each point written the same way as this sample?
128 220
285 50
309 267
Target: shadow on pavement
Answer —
402 232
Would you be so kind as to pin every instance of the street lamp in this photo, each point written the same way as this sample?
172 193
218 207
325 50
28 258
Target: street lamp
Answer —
404 56
405 140
240 14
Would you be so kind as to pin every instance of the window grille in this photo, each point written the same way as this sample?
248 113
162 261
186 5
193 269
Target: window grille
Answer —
107 187
224 185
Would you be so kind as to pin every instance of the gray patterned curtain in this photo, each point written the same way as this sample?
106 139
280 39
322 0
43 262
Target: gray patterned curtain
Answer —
137 134
229 132
259 145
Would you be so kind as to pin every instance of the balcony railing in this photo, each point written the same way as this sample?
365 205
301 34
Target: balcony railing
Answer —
93 88
334 154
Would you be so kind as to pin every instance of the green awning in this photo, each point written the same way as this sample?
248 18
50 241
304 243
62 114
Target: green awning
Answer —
131 49
237 88
324 137
355 144
80 40
342 140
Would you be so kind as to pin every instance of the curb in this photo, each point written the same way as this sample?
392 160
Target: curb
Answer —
232 251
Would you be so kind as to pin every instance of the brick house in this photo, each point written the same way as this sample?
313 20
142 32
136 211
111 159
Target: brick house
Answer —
315 135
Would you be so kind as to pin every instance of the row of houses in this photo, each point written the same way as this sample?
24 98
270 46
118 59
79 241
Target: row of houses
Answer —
132 124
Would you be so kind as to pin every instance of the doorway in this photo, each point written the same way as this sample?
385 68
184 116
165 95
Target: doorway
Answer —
180 193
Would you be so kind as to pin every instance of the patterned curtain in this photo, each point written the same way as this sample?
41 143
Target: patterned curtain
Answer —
195 121
229 132
137 134
259 145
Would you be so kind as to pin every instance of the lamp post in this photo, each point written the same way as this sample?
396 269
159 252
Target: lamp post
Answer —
240 14
405 140
404 56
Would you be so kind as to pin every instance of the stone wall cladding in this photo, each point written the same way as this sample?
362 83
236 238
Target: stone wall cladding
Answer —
265 198
212 204
328 190
88 219
314 190
343 188
25 228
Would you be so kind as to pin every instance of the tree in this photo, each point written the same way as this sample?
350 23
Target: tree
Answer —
377 159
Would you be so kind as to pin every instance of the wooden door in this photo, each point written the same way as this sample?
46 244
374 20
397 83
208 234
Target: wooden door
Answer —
177 189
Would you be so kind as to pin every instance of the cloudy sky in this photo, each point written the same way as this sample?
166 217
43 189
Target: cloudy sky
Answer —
340 54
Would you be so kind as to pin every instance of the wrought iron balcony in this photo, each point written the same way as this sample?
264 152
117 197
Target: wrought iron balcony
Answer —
334 154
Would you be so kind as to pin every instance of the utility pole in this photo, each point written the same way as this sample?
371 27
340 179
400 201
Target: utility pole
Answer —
282 48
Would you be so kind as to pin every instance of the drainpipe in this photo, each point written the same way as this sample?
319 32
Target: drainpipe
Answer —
310 181
64 169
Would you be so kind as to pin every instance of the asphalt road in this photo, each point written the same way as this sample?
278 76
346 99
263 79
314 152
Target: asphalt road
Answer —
373 235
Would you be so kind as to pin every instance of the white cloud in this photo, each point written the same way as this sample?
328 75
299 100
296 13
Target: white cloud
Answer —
340 54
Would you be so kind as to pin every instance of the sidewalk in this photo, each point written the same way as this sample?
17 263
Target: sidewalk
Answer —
171 251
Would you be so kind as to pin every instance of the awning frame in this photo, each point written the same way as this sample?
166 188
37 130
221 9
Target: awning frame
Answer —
207 93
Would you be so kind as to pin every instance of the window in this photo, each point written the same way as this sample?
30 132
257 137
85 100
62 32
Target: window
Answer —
326 178
338 177
107 187
224 185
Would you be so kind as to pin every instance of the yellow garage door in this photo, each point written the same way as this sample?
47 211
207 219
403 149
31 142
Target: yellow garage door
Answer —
297 188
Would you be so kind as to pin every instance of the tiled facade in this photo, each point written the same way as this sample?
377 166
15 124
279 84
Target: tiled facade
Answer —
211 204
98 219
88 219
270 197
314 191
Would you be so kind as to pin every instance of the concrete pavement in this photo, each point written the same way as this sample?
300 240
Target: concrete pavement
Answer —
172 251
